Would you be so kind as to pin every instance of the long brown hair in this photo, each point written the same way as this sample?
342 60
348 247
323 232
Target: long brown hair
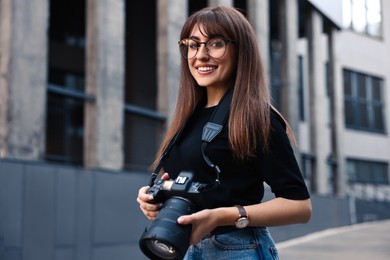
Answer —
249 120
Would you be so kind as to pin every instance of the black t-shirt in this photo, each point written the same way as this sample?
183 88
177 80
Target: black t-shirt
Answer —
241 182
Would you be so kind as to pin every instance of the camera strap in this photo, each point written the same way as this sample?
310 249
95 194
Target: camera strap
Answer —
210 131
213 128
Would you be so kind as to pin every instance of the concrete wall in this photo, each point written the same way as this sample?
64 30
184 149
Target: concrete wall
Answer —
370 57
22 76
50 212
53 212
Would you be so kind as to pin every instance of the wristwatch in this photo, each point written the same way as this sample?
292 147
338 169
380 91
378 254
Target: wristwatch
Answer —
243 219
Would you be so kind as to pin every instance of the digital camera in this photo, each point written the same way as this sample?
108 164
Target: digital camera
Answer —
164 238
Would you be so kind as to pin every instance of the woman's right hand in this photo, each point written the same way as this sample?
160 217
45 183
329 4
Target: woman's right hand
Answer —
150 210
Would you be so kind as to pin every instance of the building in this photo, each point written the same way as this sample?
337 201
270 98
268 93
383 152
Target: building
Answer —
87 87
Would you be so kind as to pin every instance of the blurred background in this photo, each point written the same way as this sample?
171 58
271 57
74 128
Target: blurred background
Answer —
87 88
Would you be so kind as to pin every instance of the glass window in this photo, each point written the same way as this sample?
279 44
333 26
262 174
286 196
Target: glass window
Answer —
363 102
276 81
364 121
348 112
374 17
359 15
66 82
143 124
361 84
64 129
362 171
363 16
347 13
195 5
301 89
379 123
376 89
347 83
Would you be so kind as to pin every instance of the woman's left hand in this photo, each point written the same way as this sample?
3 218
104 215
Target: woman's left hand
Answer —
203 222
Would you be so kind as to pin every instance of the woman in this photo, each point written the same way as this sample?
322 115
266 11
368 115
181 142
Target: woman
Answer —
220 53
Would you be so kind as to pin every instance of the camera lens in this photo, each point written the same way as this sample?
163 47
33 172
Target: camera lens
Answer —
160 249
164 238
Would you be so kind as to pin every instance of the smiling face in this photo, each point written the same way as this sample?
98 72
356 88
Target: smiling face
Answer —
208 71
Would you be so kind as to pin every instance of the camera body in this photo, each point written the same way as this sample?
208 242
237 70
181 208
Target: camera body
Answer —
182 186
164 238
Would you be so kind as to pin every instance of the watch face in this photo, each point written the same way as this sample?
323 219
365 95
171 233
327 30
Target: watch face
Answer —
242 222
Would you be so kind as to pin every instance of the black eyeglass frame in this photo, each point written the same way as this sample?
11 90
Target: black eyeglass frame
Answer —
183 44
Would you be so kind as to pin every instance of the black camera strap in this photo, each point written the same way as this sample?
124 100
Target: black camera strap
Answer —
210 131
213 128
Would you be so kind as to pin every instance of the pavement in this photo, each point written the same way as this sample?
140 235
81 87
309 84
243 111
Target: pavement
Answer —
369 240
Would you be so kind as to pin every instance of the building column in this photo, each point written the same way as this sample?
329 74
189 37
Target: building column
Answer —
220 3
23 73
317 104
105 67
258 14
288 28
171 17
337 112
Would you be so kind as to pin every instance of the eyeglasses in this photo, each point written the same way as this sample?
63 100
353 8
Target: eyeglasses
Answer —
215 47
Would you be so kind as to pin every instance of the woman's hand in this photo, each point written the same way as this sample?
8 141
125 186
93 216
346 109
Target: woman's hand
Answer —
150 210
275 212
203 222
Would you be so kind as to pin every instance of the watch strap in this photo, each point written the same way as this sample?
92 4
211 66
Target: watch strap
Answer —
243 219
241 212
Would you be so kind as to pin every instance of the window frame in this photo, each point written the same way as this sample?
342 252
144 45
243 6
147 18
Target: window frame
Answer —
369 165
349 12
66 93
356 101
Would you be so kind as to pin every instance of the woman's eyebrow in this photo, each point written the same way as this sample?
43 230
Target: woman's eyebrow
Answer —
209 37
194 37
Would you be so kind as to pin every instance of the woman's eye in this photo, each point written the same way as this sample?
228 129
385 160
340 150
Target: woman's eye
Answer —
193 45
217 43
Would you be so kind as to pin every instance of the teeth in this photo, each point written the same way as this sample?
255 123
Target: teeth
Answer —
206 68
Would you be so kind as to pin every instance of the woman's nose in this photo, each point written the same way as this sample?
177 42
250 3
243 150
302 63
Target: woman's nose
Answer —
202 52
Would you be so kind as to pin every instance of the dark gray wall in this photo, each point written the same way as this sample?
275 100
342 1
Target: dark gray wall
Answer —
55 212
328 212
50 212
